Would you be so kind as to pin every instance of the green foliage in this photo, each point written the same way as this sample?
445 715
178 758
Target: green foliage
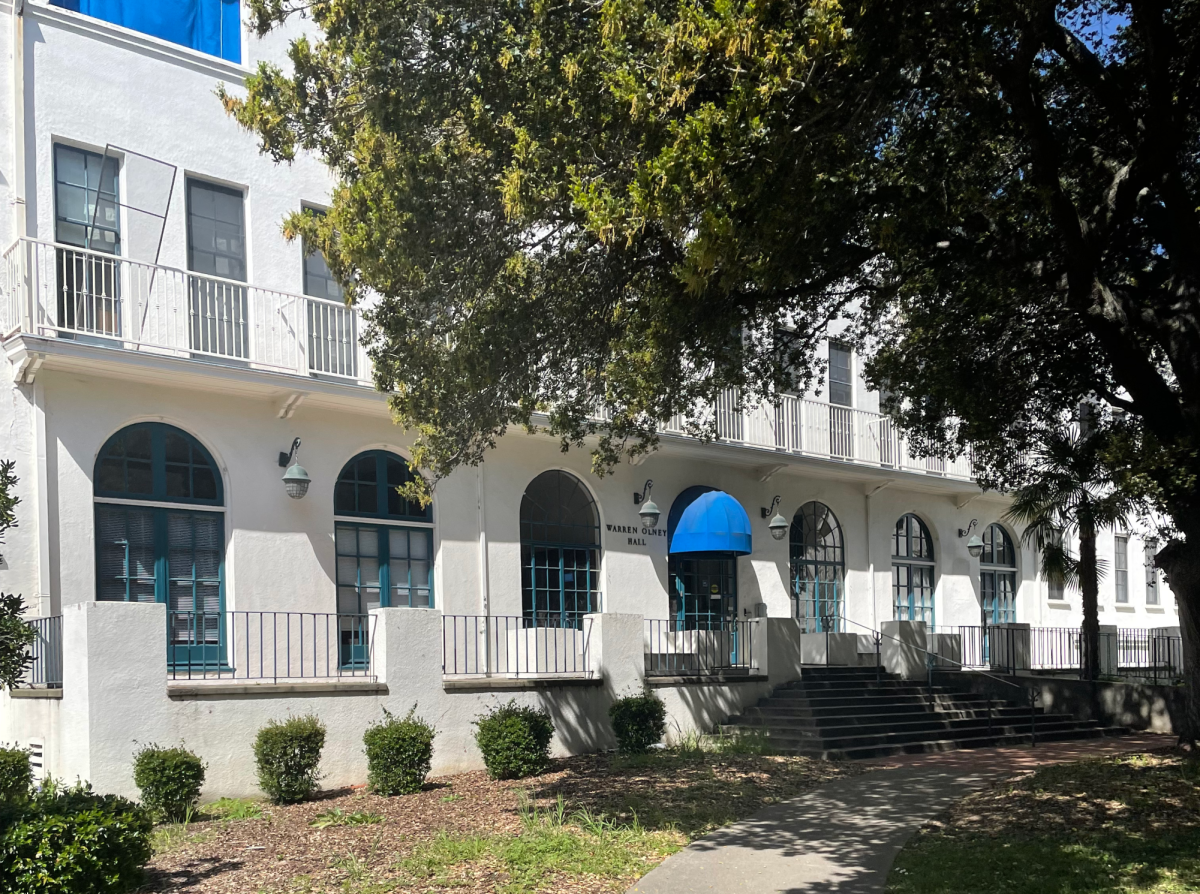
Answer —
1128 825
339 817
288 755
638 721
235 809
73 841
16 776
514 741
622 204
554 844
399 753
543 210
8 500
170 780
15 638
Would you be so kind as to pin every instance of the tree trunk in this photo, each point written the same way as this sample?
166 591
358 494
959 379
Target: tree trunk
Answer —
1089 586
1180 564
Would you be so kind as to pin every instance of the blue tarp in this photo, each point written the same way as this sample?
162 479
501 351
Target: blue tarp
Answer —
714 522
210 26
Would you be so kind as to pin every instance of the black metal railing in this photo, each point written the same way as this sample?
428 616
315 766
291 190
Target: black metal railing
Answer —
516 646
269 646
45 670
1152 653
674 648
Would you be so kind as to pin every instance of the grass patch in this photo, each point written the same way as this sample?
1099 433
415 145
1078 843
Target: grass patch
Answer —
234 809
172 836
1123 825
553 844
339 817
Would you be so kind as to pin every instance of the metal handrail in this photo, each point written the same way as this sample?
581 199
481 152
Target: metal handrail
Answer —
929 656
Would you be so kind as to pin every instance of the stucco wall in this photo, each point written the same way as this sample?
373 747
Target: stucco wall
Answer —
116 697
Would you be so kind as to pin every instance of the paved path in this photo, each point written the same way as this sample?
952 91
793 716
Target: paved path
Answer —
843 836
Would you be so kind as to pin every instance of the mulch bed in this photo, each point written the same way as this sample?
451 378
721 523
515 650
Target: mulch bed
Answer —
282 852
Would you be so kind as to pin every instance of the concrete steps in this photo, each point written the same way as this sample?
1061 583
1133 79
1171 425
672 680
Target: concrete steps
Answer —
845 713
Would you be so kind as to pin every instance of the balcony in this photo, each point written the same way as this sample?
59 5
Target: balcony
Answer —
59 291
71 293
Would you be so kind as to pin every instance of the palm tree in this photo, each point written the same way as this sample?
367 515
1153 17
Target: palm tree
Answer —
1072 493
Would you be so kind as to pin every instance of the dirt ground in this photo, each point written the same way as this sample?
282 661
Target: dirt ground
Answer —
674 798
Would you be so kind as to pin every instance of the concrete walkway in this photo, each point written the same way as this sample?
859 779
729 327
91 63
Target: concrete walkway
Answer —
843 836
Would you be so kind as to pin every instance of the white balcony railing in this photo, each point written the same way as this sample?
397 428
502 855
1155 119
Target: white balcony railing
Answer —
66 292
70 292
816 428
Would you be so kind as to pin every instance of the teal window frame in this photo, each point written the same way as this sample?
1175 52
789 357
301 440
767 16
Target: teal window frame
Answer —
153 475
693 604
997 577
913 570
560 551
817 566
367 475
350 482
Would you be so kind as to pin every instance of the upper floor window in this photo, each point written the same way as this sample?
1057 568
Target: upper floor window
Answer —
841 385
210 26
1121 566
86 207
319 281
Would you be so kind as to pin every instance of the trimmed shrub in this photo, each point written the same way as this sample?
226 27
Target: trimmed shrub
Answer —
399 753
169 779
288 755
515 741
74 841
639 721
16 776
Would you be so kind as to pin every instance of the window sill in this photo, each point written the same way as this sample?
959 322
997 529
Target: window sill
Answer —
1123 607
483 683
35 693
1156 609
136 41
1059 604
267 688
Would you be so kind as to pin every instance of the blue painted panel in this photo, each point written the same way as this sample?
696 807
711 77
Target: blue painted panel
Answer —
210 26
713 523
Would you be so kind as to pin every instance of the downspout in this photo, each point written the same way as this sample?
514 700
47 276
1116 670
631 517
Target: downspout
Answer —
485 595
20 222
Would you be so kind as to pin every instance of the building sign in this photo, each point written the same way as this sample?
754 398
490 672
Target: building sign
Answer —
639 536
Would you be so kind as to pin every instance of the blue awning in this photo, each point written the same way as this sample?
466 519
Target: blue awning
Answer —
713 523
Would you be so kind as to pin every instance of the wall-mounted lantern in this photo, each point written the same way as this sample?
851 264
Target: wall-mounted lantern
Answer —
648 511
295 479
779 525
974 545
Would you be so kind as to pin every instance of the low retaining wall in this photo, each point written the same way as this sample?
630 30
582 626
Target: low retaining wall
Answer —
116 697
1138 706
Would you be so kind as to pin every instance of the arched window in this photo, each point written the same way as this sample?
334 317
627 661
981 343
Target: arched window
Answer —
912 570
818 565
560 551
172 551
384 543
998 577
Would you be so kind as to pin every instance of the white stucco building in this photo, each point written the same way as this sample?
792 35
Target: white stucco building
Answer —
165 344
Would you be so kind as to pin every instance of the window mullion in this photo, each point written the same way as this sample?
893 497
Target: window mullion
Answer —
385 568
